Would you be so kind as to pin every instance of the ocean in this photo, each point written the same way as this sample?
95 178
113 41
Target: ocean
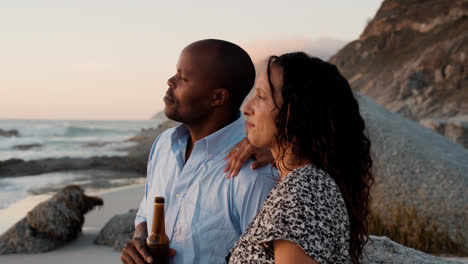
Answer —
61 138
68 138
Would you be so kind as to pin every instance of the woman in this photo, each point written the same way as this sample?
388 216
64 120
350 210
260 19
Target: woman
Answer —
304 111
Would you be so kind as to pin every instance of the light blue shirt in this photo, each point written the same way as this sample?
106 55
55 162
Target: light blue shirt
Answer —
205 213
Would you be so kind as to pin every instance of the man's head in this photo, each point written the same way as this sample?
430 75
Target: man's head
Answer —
212 75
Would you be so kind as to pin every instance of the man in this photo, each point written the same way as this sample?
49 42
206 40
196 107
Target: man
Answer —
205 213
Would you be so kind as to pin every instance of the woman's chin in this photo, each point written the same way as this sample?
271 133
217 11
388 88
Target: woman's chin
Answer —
256 142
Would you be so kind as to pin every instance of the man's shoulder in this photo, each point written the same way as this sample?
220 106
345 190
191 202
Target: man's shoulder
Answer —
164 136
264 175
162 141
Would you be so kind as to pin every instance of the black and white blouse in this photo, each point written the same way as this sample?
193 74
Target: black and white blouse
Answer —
307 208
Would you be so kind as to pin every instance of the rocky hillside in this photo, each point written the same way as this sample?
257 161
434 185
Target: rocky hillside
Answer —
412 58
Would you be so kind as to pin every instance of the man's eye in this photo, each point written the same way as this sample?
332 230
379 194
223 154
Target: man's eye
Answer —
260 97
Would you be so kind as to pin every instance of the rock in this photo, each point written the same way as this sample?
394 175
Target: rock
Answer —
145 139
9 133
97 144
438 77
448 71
455 128
414 49
26 147
414 167
118 230
18 167
50 224
383 250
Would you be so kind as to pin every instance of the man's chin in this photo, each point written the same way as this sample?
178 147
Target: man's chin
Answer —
171 115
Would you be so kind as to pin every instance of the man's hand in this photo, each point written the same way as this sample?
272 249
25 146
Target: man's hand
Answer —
241 153
136 251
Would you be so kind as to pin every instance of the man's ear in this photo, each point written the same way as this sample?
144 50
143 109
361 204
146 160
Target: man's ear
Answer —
219 97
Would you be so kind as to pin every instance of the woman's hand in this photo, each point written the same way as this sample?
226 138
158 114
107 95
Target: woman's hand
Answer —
241 153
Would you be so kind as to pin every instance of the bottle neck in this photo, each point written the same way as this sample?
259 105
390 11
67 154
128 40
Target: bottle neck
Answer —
158 219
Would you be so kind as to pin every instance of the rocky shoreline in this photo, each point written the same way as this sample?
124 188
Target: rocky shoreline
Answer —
19 167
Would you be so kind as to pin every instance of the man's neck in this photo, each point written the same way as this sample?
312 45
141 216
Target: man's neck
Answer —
208 127
202 130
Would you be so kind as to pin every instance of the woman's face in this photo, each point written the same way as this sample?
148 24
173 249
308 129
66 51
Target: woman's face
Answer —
261 109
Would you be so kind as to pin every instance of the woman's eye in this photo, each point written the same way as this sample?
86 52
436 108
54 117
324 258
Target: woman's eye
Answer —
260 97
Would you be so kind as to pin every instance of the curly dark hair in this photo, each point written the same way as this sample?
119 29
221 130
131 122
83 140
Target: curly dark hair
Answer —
320 120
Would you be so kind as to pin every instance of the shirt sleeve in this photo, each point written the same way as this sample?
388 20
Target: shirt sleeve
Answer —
141 215
252 187
312 220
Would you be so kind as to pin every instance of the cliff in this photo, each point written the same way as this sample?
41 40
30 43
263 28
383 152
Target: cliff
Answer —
412 59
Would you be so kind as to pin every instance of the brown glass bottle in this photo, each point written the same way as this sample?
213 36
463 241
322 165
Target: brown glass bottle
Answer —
157 241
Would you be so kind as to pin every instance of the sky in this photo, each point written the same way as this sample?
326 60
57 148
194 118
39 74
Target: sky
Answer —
110 59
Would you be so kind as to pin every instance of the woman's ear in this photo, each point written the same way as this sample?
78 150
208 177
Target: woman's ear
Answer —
219 97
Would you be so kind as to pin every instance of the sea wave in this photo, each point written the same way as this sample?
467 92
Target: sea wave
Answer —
68 138
77 131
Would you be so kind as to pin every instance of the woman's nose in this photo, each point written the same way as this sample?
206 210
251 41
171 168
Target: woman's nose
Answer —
247 109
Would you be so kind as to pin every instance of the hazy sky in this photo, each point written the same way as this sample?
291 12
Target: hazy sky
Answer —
110 59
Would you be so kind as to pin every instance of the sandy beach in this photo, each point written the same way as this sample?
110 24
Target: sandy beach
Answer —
83 250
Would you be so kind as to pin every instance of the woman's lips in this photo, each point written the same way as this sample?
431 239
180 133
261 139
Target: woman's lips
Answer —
250 125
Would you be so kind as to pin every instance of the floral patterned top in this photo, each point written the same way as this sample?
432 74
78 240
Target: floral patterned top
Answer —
307 208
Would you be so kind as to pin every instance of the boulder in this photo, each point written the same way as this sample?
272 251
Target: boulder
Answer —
118 230
26 146
50 224
9 133
455 128
380 250
419 175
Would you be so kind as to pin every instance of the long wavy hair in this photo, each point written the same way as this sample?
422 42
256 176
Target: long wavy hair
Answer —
320 121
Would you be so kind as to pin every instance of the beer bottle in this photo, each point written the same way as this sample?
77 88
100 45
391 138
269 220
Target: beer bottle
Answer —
157 241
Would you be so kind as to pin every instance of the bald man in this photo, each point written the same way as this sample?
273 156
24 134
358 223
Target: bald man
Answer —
205 213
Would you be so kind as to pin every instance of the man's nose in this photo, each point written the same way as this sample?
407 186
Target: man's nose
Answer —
170 82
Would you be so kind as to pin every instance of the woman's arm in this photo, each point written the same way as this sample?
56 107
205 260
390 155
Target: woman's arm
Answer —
287 252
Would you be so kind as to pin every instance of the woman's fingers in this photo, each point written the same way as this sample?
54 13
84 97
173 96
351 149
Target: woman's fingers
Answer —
239 155
241 160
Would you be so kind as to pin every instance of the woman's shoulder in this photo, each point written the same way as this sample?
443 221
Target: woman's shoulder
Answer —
307 208
309 179
313 194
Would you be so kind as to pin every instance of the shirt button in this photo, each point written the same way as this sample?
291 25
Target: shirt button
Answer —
210 156
178 195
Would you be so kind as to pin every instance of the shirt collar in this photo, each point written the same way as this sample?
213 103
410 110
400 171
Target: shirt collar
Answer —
217 141
223 138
